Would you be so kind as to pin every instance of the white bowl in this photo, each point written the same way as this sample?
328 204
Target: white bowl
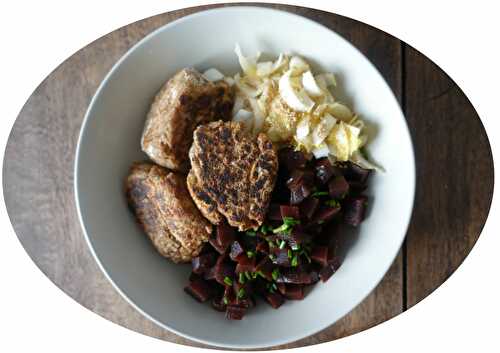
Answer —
109 143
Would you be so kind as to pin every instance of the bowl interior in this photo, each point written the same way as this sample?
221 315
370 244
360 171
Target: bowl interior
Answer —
109 143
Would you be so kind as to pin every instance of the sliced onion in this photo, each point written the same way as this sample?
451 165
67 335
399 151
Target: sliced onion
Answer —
298 101
239 103
213 75
358 158
245 117
302 129
248 65
340 111
323 128
265 68
310 85
298 65
325 80
229 80
259 117
338 142
321 151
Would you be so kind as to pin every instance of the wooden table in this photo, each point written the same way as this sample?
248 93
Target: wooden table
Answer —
454 164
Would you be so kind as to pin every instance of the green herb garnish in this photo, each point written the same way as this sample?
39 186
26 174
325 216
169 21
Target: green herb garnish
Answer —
251 233
289 253
286 227
320 193
306 255
276 273
225 301
332 203
295 247
250 254
282 244
272 257
290 221
248 275
274 286
295 261
265 229
228 281
241 278
241 293
259 273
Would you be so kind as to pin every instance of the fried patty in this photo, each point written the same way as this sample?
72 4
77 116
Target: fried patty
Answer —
166 212
184 102
232 174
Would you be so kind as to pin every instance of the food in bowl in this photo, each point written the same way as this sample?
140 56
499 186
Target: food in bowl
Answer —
259 209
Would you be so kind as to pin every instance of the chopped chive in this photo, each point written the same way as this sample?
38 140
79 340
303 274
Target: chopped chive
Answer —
320 193
228 281
259 273
306 256
254 275
265 229
295 261
272 257
241 278
295 247
225 301
282 244
290 221
251 233
271 244
289 253
241 293
282 228
248 275
274 286
276 273
332 203
250 254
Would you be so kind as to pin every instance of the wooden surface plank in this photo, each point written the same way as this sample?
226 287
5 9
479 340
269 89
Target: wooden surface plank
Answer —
39 163
454 173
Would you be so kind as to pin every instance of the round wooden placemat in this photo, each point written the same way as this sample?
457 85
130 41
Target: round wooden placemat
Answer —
454 175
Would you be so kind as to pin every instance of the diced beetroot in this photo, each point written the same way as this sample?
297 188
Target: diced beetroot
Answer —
294 291
225 235
274 212
229 295
291 159
325 214
246 302
224 270
215 244
328 270
210 274
338 187
300 193
324 170
308 207
262 247
281 288
354 172
314 276
301 185
274 299
234 312
218 304
245 264
294 276
319 254
354 210
290 211
236 251
265 266
299 236
194 276
203 263
199 289
357 186
281 257
207 248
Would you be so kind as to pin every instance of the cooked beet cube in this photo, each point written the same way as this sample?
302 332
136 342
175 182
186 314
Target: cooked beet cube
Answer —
223 270
300 193
291 159
207 248
327 271
236 251
281 257
308 207
294 276
210 274
338 187
265 266
215 244
235 312
314 276
354 210
319 254
194 276
281 288
225 235
218 304
325 214
246 302
274 299
262 247
274 212
324 170
203 263
290 211
354 172
199 289
298 236
294 292
245 264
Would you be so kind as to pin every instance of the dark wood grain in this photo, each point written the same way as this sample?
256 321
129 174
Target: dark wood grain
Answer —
454 173
39 159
